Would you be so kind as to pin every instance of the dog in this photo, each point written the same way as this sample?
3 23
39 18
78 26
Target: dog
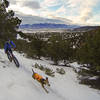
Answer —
41 80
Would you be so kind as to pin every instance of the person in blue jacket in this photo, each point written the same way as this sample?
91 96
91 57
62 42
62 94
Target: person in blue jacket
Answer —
8 46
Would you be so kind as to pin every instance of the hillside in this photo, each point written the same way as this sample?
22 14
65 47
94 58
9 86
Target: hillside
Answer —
17 84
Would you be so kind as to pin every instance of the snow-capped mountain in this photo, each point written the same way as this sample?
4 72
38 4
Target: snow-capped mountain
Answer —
48 25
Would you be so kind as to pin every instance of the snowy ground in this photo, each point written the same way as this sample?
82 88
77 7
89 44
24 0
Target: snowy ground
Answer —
17 83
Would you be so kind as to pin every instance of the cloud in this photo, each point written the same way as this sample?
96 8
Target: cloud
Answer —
49 3
23 10
62 9
12 1
67 21
25 7
32 4
86 15
95 20
36 19
86 10
80 11
23 3
73 3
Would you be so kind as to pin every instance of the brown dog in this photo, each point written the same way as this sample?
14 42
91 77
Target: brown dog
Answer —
41 80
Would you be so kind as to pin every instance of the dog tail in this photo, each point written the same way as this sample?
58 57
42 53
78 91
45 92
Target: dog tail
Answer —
33 71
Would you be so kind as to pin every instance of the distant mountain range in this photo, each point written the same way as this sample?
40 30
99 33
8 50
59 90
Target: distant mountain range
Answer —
86 28
48 25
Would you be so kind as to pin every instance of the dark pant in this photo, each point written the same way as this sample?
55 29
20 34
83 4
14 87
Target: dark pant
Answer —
9 50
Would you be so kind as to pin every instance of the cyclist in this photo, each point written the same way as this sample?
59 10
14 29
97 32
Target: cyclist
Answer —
8 46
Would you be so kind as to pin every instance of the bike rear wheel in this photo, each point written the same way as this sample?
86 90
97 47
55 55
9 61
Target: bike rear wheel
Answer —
9 57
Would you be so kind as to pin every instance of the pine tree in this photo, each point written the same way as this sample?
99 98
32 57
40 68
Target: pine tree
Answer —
8 23
59 48
89 52
37 45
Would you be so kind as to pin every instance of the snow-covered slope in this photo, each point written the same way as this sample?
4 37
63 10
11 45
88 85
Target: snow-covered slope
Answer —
17 83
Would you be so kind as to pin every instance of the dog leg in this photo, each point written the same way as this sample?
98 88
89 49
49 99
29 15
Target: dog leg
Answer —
44 88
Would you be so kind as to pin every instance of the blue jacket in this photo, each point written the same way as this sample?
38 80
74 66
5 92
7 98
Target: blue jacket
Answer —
8 46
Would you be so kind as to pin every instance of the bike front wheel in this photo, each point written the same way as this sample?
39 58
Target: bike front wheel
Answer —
16 61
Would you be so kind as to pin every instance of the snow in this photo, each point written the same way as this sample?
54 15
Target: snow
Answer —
75 64
19 37
93 78
17 83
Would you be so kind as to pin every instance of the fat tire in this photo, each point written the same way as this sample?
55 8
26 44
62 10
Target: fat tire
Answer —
9 57
16 61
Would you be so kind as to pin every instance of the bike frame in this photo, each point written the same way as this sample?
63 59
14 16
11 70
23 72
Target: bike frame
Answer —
12 57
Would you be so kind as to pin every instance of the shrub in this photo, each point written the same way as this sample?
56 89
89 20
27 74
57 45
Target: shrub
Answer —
36 65
49 72
41 67
60 71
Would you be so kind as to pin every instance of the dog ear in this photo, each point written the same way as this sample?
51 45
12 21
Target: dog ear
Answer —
46 78
47 81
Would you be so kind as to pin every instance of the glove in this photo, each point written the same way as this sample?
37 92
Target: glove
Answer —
14 48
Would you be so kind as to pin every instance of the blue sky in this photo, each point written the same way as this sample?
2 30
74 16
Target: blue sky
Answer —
77 11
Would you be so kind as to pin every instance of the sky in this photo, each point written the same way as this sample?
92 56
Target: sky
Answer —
75 11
